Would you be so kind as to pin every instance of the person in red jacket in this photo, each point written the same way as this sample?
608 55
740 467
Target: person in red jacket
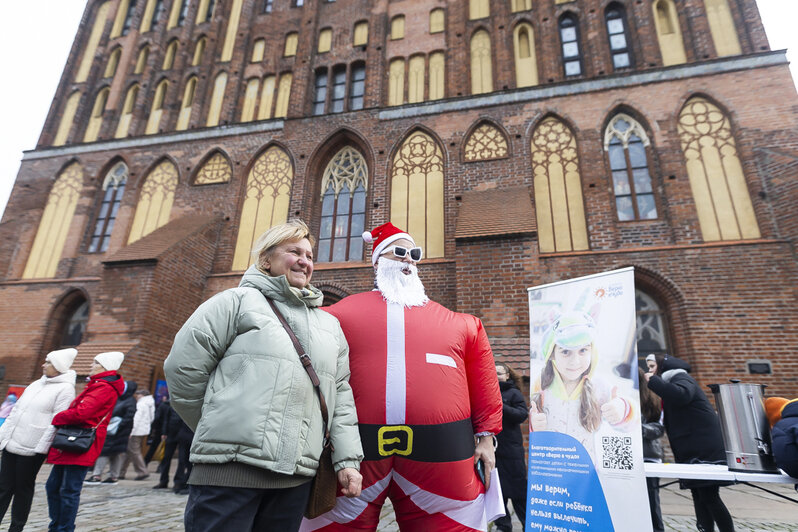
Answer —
92 408
427 399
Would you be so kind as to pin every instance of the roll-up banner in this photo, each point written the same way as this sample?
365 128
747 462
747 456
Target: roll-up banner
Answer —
585 442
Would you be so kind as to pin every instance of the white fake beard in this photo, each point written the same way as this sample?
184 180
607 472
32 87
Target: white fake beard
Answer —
397 287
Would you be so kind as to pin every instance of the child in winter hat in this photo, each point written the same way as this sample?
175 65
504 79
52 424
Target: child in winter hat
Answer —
110 360
62 359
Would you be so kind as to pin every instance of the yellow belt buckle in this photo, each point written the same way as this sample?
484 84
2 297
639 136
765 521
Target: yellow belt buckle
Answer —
382 441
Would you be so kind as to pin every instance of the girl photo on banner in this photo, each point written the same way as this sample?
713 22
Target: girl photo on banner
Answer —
585 444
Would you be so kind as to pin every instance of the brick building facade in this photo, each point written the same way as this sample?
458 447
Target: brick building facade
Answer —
521 142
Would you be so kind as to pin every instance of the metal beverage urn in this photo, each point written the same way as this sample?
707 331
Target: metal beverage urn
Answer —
746 432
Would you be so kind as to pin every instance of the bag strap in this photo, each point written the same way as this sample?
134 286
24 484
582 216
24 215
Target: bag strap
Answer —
308 365
101 421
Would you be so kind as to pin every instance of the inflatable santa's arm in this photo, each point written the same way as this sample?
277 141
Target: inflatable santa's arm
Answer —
483 385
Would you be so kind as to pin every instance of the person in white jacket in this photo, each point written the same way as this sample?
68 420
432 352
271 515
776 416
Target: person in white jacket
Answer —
142 421
27 434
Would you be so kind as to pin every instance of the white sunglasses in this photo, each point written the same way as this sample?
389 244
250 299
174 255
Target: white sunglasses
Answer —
401 252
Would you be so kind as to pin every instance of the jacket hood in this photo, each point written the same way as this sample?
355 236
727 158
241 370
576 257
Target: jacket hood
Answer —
110 377
675 363
68 377
130 389
507 385
277 288
790 409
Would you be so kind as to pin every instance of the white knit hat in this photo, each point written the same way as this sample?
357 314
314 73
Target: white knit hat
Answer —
62 359
110 360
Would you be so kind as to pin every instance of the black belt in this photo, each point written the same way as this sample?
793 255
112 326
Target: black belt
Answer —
445 442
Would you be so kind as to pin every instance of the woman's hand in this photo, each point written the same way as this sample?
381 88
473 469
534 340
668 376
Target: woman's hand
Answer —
613 411
537 420
648 376
351 480
487 454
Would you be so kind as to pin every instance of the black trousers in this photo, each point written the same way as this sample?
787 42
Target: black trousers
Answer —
710 510
156 440
17 480
652 483
220 509
183 464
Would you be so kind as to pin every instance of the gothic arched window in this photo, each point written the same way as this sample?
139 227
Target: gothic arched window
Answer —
571 49
652 326
626 144
113 189
155 201
558 188
343 207
417 192
618 34
266 203
717 179
75 326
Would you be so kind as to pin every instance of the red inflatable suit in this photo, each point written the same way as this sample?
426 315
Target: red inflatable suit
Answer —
424 382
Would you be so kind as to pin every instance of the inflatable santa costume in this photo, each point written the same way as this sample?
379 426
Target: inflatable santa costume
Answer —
425 384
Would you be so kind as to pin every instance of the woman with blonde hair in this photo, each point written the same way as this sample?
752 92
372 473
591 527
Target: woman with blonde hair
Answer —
236 379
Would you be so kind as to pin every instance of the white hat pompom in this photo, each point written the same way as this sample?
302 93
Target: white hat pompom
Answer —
367 237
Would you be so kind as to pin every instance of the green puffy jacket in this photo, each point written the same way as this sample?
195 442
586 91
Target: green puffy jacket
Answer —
235 378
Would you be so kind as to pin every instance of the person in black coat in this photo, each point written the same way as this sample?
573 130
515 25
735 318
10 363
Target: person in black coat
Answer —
693 430
510 461
119 428
783 417
156 429
178 437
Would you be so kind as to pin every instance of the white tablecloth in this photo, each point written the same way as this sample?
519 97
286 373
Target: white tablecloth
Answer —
713 472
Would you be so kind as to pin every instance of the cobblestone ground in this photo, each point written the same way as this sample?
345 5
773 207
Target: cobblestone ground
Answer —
134 506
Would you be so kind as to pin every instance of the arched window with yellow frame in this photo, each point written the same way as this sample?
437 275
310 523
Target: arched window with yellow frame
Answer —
360 35
113 62
96 118
232 30
156 111
250 100
481 69
141 59
437 20
48 245
155 200
186 104
169 57
67 118
199 49
283 95
91 44
484 143
398 27
437 75
266 98
217 99
123 128
478 9
416 70
266 201
417 192
558 188
526 68
717 180
396 81
291 40
520 5
215 169
669 34
721 26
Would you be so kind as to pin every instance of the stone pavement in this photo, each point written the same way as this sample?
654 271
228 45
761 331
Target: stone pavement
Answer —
134 506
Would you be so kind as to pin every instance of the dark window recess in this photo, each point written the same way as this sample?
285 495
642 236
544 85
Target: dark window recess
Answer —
209 12
183 13
571 54
320 92
131 9
268 5
619 41
106 217
157 13
76 326
339 89
342 222
631 181
357 86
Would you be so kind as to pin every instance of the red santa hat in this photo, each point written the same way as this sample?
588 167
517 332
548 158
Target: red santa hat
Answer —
382 237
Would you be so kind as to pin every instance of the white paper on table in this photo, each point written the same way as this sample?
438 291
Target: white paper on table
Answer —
494 500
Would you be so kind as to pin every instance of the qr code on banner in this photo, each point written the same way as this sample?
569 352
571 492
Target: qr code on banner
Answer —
617 452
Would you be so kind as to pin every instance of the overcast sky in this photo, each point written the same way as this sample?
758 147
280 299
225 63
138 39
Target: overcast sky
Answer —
36 35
